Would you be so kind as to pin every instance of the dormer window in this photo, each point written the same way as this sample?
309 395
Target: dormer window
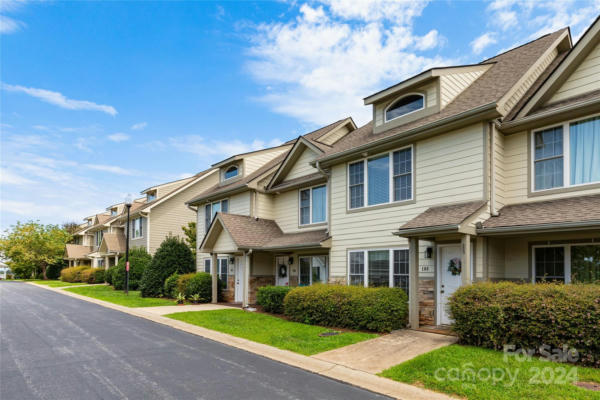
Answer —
405 105
231 172
150 196
113 212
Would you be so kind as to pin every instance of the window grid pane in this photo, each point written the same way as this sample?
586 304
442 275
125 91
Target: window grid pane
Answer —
357 268
401 269
585 263
548 164
207 265
224 206
379 180
305 207
404 106
319 195
304 271
207 217
550 264
379 268
223 271
403 174
356 183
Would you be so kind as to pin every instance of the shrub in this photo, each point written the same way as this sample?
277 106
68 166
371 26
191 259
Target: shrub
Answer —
109 274
98 275
139 260
270 298
201 284
173 255
73 274
529 316
182 283
170 285
373 309
53 270
86 276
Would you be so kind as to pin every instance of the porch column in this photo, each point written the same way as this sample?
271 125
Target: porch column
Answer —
106 262
413 283
116 259
246 279
213 271
466 259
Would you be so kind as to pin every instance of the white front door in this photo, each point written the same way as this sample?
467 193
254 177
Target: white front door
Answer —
239 279
282 271
448 281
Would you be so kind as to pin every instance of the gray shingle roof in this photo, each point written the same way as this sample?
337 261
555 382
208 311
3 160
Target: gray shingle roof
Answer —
452 214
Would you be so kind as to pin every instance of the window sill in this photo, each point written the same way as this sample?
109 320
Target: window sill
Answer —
567 189
378 206
315 225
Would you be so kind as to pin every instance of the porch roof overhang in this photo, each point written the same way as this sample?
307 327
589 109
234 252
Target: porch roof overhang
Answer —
112 244
566 214
441 220
244 233
76 251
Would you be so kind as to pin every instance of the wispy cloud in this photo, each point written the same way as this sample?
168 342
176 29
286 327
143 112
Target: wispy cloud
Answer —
318 66
118 137
139 126
483 41
10 25
113 169
216 149
60 100
9 177
83 144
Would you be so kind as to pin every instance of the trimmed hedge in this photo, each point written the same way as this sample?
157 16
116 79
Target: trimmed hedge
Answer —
270 298
199 283
139 259
354 307
74 274
530 315
171 285
97 276
109 274
173 255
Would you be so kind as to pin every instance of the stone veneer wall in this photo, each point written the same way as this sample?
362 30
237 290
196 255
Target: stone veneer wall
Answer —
257 282
426 301
229 293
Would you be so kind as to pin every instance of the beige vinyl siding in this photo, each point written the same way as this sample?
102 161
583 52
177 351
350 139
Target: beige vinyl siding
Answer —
495 258
255 161
335 135
431 100
169 187
585 78
286 210
302 167
224 243
452 85
516 171
527 80
448 170
265 205
168 217
240 203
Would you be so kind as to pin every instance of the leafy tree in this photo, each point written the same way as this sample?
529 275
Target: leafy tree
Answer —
190 236
32 247
139 259
71 227
173 255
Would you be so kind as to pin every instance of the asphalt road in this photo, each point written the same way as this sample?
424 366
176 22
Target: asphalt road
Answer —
57 347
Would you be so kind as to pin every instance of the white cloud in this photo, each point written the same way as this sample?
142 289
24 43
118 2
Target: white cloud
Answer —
319 66
113 169
217 150
118 137
9 177
139 126
10 25
58 99
483 41
83 144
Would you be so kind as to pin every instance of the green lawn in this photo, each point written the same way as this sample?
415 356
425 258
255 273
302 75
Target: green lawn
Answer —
267 329
446 370
107 293
56 283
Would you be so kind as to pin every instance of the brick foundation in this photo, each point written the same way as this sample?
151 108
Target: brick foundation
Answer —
229 293
426 302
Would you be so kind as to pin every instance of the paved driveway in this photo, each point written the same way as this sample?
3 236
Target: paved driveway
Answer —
57 347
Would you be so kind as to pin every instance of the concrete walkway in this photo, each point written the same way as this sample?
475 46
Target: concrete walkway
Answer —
164 310
381 353
334 370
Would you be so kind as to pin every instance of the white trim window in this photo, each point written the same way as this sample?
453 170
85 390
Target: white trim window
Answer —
312 269
231 172
566 155
381 179
379 268
211 209
207 262
223 271
150 196
98 235
136 228
405 105
313 205
577 262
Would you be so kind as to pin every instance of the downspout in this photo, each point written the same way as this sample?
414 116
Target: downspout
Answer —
493 209
328 175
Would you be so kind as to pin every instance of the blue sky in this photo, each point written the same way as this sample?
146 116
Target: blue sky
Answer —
101 99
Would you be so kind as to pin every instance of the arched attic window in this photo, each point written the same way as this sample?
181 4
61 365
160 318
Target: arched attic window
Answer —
405 105
231 172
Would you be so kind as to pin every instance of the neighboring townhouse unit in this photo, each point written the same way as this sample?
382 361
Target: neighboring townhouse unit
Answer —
268 224
488 171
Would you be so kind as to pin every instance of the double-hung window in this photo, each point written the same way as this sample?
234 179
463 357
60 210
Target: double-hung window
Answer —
223 270
379 268
207 262
313 205
566 155
382 179
567 263
313 269
98 237
211 209
136 228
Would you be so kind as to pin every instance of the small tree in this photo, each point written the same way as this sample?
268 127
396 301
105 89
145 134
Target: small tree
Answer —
190 236
31 247
71 227
139 259
173 255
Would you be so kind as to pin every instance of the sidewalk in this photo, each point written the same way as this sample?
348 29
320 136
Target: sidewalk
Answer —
326 368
